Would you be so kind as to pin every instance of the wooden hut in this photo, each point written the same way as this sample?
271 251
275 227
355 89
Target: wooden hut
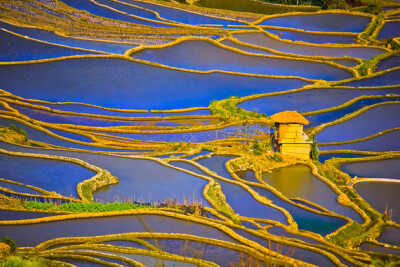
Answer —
289 136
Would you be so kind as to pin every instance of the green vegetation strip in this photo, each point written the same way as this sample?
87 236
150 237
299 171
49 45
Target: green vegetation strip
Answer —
83 207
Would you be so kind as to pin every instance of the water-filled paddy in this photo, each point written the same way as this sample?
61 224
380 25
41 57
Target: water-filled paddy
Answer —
181 15
298 181
84 109
45 116
278 231
381 196
309 100
217 165
321 22
346 62
132 84
160 183
153 261
245 48
222 59
389 63
385 79
324 157
252 6
51 175
18 188
246 205
386 142
390 30
199 137
390 235
40 136
6 215
261 39
101 11
387 168
86 263
15 48
380 249
318 119
241 200
33 234
119 82
247 176
219 255
306 220
129 8
202 153
298 253
313 38
368 123
52 37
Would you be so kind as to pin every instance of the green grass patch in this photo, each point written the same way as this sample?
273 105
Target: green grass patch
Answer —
215 193
18 261
228 110
344 237
83 207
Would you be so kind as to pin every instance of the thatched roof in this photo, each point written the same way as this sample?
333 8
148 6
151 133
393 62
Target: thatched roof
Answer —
289 117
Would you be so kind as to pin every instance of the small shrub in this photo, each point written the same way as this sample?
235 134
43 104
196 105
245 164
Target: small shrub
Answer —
275 157
256 148
7 240
315 151
373 8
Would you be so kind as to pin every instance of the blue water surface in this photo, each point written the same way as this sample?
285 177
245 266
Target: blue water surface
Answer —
15 48
321 22
120 83
117 48
222 59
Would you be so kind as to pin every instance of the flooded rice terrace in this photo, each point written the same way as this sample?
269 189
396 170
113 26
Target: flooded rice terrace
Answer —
199 133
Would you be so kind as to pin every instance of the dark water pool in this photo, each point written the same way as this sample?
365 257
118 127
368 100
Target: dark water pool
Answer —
390 30
390 235
382 196
389 63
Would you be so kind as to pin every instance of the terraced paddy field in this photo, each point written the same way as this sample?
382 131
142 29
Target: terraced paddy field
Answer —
151 133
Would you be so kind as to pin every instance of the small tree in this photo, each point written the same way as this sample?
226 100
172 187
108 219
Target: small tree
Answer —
314 151
256 147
